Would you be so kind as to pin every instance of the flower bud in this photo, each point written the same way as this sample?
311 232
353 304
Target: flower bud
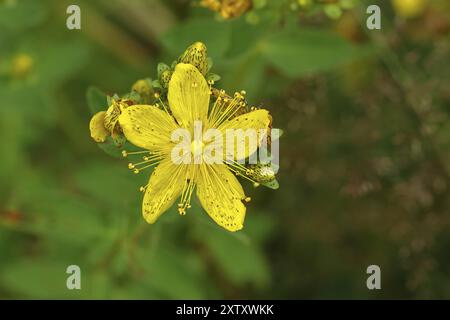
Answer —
165 78
196 55
144 88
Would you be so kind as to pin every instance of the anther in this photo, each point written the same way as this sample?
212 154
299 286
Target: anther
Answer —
124 153
130 166
248 199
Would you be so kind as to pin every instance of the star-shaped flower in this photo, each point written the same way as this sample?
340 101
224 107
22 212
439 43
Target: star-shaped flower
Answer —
217 188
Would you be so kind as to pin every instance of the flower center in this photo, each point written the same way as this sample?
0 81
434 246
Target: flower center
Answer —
197 147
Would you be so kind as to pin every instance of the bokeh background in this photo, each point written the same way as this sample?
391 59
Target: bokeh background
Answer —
365 155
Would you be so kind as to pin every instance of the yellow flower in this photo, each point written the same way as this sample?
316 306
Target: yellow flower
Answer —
151 128
409 8
21 65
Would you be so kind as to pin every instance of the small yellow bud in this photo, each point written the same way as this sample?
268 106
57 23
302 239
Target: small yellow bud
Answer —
196 55
21 65
165 78
144 88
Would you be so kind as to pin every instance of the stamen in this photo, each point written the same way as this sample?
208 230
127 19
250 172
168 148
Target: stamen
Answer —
240 170
149 161
231 108
186 194
158 96
126 153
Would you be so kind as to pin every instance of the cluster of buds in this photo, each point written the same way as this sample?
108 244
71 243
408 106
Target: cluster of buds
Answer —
228 8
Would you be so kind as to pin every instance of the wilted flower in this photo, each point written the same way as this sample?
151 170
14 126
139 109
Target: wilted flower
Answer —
105 123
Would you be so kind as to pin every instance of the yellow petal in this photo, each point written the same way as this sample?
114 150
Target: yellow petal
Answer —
164 187
97 127
188 95
148 127
255 121
221 194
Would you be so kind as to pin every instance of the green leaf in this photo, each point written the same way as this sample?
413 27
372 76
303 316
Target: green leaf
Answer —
271 184
333 11
38 278
156 84
172 273
240 260
96 100
301 52
111 183
183 35
212 77
17 16
56 63
210 63
114 147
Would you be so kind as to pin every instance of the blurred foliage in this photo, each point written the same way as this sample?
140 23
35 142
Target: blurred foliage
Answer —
365 156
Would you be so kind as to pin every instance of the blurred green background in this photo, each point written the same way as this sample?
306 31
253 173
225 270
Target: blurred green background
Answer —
365 155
